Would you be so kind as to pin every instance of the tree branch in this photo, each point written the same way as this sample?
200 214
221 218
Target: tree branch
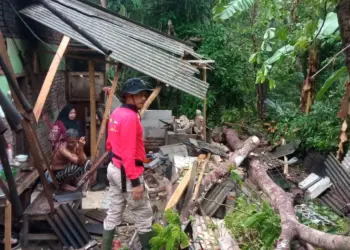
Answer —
332 59
282 202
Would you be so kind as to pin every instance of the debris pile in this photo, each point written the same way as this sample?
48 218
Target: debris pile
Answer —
201 180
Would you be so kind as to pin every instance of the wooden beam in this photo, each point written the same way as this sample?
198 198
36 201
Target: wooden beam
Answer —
92 109
205 107
201 61
85 58
45 89
189 191
150 99
8 225
200 178
107 111
174 199
35 62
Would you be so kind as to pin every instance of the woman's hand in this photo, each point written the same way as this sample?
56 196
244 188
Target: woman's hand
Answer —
82 141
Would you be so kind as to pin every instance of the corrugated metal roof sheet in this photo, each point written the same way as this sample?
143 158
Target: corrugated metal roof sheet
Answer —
135 46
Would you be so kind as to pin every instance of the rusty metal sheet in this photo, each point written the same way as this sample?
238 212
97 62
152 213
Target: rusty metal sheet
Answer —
132 44
68 227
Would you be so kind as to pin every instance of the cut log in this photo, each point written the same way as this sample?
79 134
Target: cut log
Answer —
235 161
233 142
223 169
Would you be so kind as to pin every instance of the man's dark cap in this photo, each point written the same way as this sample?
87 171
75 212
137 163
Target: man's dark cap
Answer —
134 86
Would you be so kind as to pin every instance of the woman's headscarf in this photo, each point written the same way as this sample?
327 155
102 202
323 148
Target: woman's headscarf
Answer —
64 118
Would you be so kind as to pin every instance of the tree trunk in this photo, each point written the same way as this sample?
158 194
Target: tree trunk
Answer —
104 3
344 25
308 91
282 202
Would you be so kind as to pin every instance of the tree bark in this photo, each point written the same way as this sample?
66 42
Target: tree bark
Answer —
223 170
308 91
344 25
104 3
282 202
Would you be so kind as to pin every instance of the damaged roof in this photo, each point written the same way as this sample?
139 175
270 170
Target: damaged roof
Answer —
132 44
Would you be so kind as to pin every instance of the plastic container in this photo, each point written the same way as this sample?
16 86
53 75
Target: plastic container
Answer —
14 173
22 158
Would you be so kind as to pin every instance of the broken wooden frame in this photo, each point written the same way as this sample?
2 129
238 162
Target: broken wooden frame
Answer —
45 89
35 148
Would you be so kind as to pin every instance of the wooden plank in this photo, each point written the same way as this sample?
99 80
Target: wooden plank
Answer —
92 109
45 89
107 112
190 188
150 99
8 225
174 199
205 107
200 178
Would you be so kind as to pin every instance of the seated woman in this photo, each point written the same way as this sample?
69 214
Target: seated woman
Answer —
66 120
69 161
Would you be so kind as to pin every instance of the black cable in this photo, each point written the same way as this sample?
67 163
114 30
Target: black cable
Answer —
39 39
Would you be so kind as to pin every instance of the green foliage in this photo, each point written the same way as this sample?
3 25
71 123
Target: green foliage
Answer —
171 236
342 72
231 79
255 227
318 130
329 26
225 10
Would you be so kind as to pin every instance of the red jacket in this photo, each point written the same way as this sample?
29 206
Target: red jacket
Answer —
125 140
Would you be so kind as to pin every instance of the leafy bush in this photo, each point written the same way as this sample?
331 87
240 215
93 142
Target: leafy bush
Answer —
171 236
317 130
253 226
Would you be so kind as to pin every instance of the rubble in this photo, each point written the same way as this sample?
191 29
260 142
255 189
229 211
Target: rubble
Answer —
211 233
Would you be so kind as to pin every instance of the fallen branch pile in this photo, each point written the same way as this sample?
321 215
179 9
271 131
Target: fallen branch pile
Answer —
283 204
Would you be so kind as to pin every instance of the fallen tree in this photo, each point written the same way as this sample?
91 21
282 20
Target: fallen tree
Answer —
282 202
221 171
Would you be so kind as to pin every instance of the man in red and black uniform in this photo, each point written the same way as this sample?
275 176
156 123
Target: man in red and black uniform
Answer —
125 172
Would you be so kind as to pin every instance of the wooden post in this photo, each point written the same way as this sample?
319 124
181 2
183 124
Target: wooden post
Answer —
31 136
92 109
45 89
150 99
107 111
205 106
8 225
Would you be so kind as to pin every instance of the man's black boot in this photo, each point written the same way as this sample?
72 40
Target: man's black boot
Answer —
145 238
107 240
